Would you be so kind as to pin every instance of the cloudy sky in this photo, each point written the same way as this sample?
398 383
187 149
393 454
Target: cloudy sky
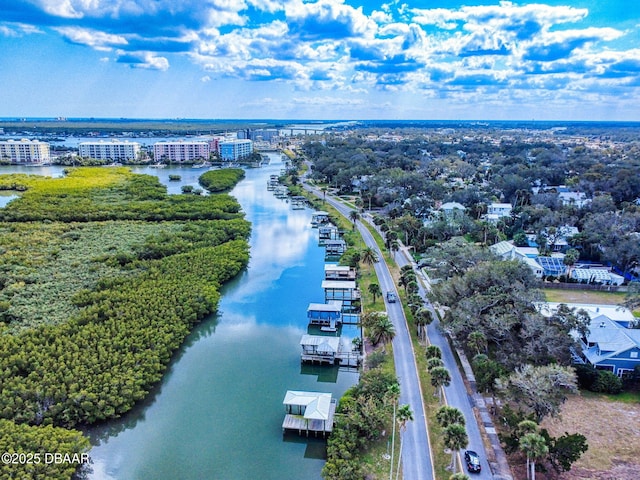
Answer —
321 59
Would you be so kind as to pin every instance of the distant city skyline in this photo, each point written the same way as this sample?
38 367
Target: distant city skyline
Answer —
327 59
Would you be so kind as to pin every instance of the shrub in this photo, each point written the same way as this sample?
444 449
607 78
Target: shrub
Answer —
607 382
587 375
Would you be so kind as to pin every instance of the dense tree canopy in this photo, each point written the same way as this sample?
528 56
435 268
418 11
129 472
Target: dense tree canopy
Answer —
102 279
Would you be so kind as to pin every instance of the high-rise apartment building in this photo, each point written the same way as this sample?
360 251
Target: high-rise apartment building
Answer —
181 151
24 151
114 150
232 150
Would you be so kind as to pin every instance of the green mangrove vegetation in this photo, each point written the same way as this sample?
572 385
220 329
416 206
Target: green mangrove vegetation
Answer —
102 276
221 180
30 452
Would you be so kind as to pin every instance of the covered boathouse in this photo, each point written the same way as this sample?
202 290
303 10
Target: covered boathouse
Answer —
308 412
325 315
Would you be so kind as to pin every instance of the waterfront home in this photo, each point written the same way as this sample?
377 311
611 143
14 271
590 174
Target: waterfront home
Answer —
339 272
308 412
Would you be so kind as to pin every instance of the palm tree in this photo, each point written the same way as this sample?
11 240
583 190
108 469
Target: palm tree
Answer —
369 256
523 428
570 258
406 277
382 330
390 237
433 351
393 394
374 289
477 341
447 415
422 317
440 378
394 246
404 415
353 216
535 447
434 362
455 437
412 287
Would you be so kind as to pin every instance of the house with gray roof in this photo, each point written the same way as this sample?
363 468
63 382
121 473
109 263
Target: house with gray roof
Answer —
611 343
611 346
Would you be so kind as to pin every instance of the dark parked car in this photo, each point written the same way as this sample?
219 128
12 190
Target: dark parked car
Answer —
472 460
391 297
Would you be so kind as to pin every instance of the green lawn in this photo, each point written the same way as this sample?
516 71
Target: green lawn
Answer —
583 296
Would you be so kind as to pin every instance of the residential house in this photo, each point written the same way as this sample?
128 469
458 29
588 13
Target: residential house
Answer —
496 211
610 344
557 238
452 210
508 251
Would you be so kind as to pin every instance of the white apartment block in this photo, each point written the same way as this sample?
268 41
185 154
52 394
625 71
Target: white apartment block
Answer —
181 151
24 151
114 150
232 150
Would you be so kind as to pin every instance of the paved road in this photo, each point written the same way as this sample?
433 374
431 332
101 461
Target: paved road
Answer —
416 452
416 458
456 393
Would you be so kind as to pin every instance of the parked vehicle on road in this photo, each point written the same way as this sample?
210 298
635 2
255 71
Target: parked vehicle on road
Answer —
391 297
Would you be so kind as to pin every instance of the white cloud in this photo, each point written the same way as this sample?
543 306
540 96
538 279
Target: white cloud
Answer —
205 79
12 29
91 38
62 8
145 60
328 19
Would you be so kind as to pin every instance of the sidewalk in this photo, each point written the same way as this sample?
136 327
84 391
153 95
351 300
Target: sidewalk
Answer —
499 465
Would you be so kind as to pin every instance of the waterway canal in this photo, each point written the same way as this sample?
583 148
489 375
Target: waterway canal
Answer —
218 412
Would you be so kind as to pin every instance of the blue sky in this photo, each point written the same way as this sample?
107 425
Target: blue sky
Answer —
324 59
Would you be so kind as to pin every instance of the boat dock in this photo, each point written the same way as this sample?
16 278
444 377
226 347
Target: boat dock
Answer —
309 412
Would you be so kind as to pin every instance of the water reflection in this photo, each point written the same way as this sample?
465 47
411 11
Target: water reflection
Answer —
6 197
218 413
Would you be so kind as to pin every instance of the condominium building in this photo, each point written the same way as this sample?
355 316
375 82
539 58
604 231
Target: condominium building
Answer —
114 150
181 151
24 151
232 150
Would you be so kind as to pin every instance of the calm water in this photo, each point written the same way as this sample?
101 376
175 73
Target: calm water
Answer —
218 412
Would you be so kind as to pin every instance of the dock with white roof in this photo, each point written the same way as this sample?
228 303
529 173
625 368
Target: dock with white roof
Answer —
309 412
